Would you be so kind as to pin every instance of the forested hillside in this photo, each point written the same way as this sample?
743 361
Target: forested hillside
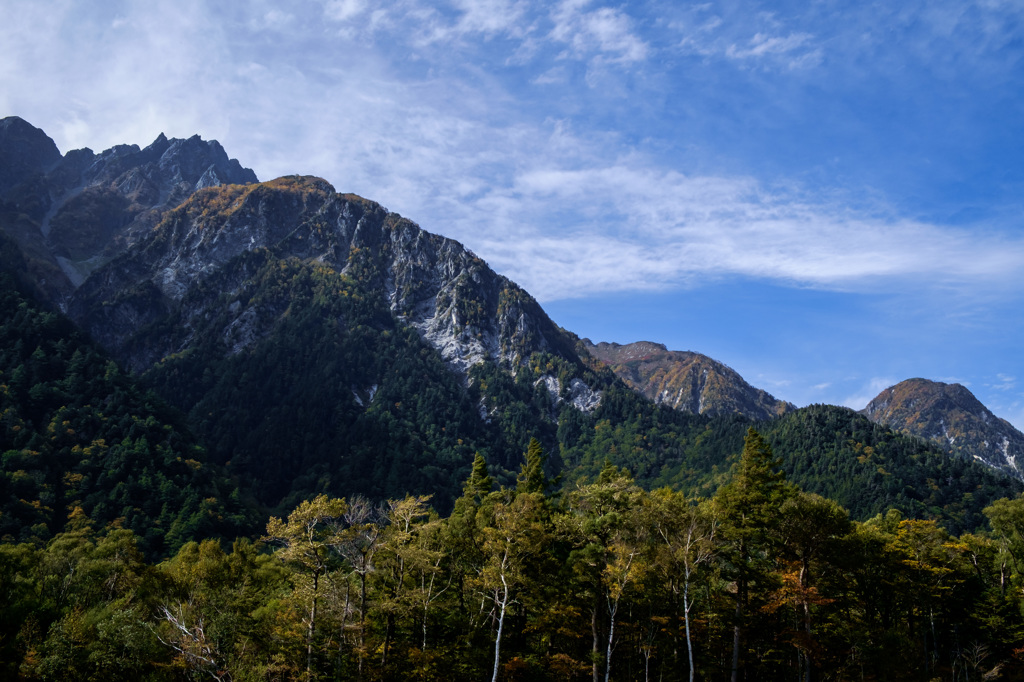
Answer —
80 440
829 450
867 468
337 398
340 399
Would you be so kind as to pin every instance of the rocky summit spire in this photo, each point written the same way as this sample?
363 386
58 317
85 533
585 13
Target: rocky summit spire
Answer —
73 213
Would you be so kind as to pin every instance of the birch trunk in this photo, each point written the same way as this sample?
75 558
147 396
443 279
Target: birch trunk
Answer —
311 629
686 620
612 610
501 626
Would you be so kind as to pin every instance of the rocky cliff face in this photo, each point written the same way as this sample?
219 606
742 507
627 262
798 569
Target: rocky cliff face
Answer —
73 213
686 381
295 326
951 416
461 307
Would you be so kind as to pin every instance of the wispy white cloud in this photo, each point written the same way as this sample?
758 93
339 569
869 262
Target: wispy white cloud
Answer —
868 392
795 49
558 209
605 33
746 37
870 38
646 228
1004 382
490 17
763 44
426 24
344 10
273 19
554 75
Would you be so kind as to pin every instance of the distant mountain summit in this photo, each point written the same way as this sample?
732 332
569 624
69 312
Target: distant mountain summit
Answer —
686 381
951 416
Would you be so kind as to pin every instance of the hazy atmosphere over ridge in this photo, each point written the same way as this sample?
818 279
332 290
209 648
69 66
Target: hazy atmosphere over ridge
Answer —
827 198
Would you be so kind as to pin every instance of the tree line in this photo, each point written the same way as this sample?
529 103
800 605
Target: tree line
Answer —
601 581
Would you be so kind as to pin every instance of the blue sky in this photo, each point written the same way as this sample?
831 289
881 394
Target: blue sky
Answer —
826 196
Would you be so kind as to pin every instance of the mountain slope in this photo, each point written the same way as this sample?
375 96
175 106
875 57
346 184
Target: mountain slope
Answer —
78 434
686 381
283 309
869 468
457 304
950 415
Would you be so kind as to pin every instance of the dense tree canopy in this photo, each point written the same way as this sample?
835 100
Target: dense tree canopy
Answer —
77 435
605 581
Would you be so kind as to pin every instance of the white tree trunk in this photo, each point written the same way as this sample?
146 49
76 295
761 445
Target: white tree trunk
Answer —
686 619
501 625
611 635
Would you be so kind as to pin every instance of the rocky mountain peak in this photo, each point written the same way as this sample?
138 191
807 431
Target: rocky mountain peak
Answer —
25 151
640 350
950 415
72 214
686 381
923 393
456 303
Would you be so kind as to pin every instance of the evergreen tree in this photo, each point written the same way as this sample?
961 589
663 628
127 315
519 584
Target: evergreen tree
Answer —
606 526
479 483
749 510
810 525
531 478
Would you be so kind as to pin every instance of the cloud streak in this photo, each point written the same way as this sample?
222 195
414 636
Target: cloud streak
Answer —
606 32
634 227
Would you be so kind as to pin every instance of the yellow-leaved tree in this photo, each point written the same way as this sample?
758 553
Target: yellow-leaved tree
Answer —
309 540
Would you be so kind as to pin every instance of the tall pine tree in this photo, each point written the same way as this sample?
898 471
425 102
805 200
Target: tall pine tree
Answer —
749 511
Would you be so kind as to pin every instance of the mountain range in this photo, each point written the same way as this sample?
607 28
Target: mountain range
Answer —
316 342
